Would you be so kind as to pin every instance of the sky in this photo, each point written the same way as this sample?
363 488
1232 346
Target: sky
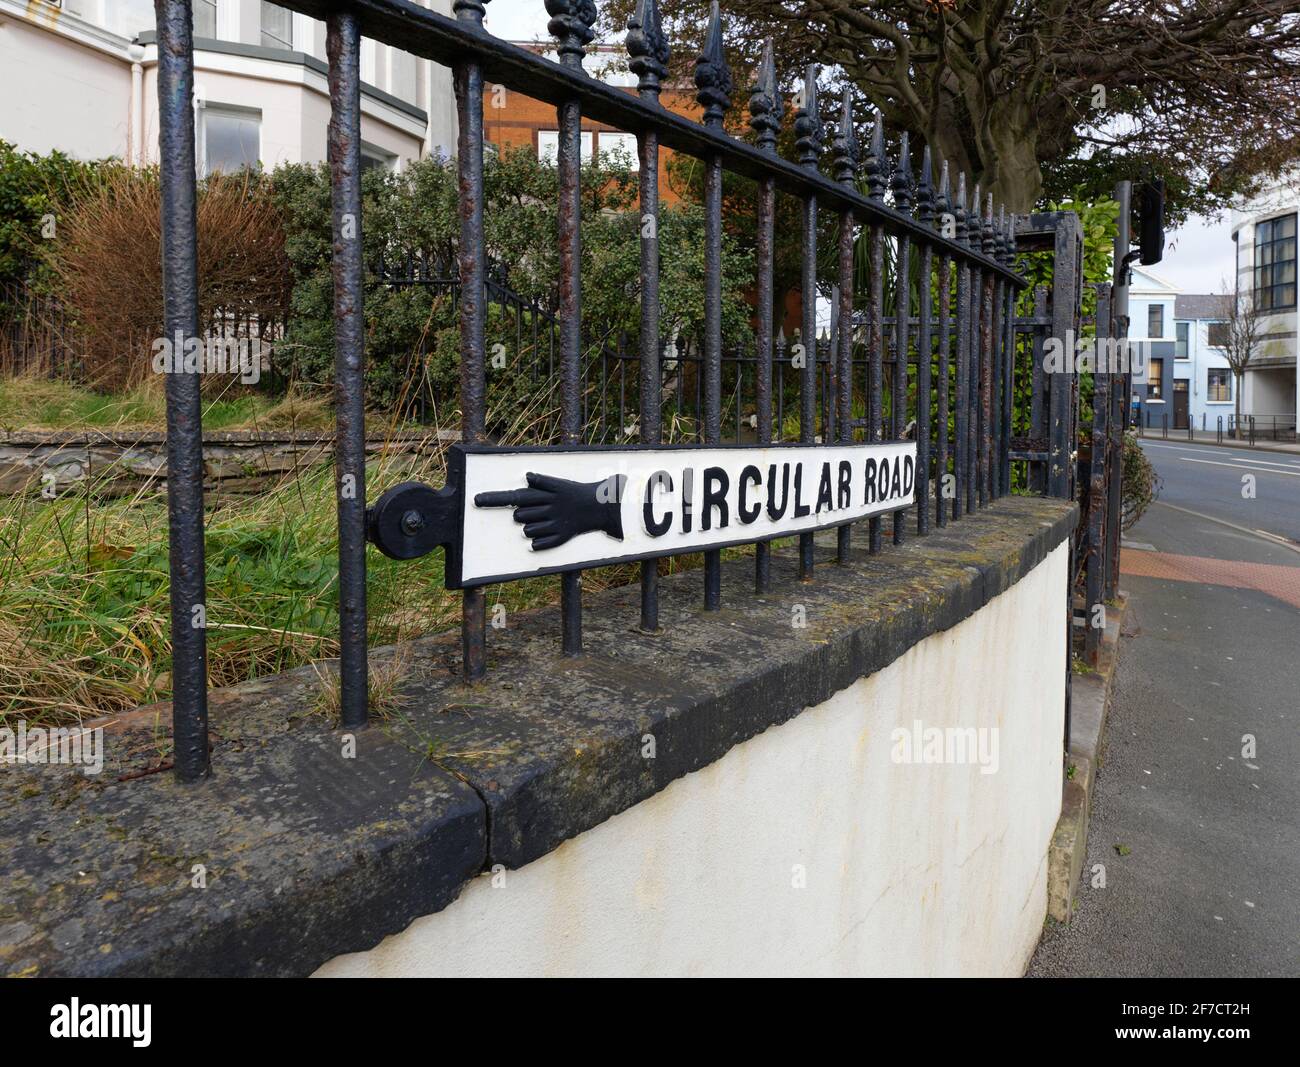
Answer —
1198 258
517 20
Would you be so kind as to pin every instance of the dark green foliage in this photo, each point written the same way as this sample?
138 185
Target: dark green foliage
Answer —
32 187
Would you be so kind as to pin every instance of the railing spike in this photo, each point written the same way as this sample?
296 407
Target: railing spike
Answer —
845 146
943 200
925 188
712 77
570 25
959 208
765 102
901 182
807 123
986 229
471 11
875 163
648 47
973 219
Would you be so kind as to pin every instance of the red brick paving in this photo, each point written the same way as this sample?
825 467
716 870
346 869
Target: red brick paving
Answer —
1274 579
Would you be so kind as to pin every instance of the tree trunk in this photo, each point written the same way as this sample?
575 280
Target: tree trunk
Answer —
1004 161
1236 428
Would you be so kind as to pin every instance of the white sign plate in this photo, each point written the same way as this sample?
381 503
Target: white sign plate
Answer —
539 511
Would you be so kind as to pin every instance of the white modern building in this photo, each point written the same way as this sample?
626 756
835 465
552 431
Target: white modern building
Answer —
1264 230
80 76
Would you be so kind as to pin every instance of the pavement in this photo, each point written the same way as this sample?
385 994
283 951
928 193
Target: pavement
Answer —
1193 864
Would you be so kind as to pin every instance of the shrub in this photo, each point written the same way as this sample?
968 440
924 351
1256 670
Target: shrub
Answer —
33 188
106 267
412 331
1141 483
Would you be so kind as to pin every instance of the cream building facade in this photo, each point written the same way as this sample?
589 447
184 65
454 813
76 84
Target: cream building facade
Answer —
80 76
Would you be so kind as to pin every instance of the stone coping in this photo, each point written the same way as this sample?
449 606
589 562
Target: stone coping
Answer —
307 855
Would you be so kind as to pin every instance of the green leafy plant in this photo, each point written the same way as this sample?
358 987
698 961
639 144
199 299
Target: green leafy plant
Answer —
1140 480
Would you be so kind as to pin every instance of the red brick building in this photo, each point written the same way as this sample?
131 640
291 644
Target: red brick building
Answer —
511 119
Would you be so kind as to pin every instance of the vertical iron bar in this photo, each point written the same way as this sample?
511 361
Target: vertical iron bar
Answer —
343 47
780 365
570 327
808 130
1095 563
1038 389
471 258
1122 389
973 357
944 218
924 353
1065 310
572 28
846 161
713 82
712 349
996 372
961 467
1009 295
986 363
876 168
184 406
902 186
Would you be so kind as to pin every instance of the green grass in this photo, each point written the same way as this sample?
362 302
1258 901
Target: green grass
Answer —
84 625
42 404
84 587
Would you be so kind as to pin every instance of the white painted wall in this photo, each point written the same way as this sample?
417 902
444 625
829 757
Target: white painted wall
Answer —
56 93
294 106
911 869
1269 391
65 82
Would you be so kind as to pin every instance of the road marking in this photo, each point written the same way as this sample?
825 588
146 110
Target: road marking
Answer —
1210 452
1277 539
1240 466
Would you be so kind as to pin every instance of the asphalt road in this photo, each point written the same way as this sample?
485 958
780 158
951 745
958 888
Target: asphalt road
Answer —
1209 480
1200 842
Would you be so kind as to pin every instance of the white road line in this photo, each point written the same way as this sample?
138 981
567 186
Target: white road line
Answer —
1277 539
1207 452
1240 466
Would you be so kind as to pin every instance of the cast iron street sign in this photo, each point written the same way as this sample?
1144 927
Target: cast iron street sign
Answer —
513 513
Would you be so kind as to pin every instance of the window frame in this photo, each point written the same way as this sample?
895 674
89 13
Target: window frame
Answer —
212 5
1156 382
1157 309
206 112
1182 339
1227 376
1277 298
374 156
586 143
617 138
276 42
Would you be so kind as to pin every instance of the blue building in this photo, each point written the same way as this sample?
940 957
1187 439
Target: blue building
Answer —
1201 369
1181 334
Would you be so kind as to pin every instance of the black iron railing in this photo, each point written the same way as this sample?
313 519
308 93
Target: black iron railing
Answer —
957 330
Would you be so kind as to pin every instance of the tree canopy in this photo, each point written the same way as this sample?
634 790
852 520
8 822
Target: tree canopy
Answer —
1040 100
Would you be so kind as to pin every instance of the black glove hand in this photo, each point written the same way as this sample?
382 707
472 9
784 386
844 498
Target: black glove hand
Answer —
556 509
